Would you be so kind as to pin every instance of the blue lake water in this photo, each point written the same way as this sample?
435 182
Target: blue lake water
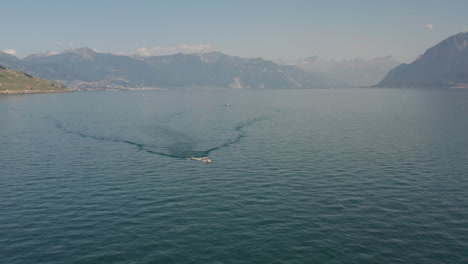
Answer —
300 176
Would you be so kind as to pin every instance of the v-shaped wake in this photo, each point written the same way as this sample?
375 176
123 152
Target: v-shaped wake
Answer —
181 153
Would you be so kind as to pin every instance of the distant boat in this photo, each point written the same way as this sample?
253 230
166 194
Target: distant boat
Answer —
204 159
226 104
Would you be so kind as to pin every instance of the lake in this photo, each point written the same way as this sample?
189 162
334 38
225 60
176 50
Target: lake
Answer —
297 176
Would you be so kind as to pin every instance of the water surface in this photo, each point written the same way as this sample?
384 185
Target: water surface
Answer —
302 176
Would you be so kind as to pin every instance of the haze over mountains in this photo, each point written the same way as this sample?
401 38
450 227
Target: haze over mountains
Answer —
444 65
347 73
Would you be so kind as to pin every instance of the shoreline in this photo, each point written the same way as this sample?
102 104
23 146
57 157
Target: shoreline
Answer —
33 91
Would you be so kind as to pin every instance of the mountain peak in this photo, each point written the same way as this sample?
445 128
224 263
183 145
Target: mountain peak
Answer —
459 41
87 52
212 56
6 55
8 60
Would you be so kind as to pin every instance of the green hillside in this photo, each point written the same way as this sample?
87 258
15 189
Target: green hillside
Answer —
18 82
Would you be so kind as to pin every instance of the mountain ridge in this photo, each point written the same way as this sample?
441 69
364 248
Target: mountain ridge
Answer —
442 65
85 68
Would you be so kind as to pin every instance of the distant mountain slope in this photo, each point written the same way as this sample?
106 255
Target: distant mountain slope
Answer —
347 73
443 65
18 82
220 70
8 60
85 68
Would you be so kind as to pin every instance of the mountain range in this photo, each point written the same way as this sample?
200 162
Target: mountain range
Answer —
85 68
443 65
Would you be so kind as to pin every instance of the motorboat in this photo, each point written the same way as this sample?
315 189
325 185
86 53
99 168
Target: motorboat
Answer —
203 159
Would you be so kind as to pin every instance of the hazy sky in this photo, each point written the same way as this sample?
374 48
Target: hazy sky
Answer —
253 28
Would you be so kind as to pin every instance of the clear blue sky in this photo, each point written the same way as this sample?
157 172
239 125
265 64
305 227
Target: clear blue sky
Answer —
270 29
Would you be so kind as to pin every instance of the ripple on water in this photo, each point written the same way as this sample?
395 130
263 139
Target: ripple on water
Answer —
316 177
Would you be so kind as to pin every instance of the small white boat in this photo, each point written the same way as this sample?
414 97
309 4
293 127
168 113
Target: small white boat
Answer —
204 159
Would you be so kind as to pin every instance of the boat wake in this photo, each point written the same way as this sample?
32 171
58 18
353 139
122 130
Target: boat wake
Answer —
181 149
